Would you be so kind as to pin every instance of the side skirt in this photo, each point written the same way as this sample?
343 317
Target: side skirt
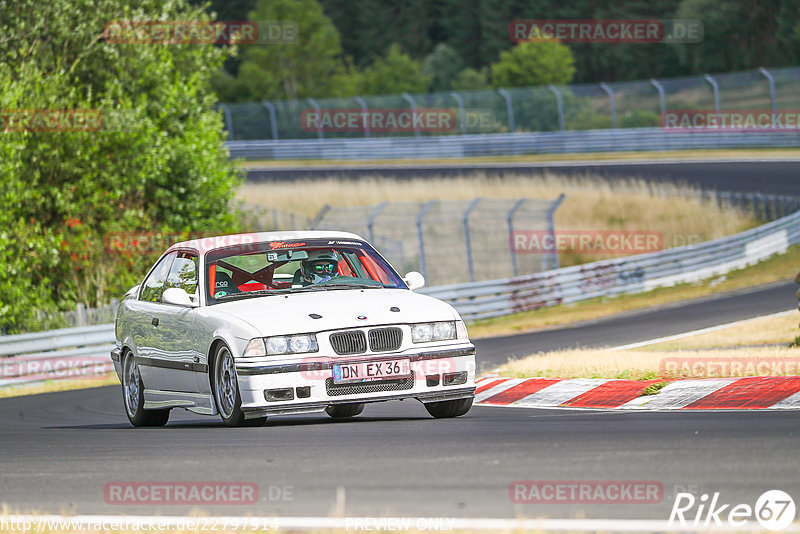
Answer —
194 402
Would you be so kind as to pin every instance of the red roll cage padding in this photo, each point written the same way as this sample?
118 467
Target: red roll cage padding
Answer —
366 261
212 278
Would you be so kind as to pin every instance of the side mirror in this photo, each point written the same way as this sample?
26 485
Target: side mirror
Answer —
177 296
414 280
132 291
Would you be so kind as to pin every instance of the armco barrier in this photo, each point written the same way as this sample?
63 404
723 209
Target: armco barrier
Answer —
631 274
68 352
506 144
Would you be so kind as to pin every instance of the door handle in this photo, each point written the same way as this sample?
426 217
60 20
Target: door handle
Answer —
154 322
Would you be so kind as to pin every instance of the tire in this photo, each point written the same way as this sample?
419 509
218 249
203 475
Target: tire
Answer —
225 386
453 408
133 396
343 411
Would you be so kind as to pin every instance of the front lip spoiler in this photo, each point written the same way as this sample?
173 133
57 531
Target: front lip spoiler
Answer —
316 366
310 407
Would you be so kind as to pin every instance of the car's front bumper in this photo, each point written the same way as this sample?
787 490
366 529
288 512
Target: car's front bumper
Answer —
302 387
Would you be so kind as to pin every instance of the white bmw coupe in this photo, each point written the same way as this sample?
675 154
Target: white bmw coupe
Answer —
250 325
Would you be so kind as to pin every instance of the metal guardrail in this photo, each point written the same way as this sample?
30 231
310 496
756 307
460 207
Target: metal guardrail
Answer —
493 298
84 352
505 144
63 354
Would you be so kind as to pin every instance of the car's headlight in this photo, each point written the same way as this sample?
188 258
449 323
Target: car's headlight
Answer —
291 344
439 331
255 348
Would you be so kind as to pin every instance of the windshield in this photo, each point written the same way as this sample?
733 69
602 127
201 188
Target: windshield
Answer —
271 268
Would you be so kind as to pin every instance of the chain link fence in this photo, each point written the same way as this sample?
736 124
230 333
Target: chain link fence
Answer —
636 104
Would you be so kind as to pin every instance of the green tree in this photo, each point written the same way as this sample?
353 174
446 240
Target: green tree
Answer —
441 66
534 63
157 163
311 66
395 73
471 80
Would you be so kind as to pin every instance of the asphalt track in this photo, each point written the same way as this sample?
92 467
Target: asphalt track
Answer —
59 450
749 176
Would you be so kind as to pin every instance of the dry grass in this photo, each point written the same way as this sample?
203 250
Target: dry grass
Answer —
683 155
647 365
591 203
779 329
58 385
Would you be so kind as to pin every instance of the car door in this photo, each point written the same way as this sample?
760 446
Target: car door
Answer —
179 356
144 324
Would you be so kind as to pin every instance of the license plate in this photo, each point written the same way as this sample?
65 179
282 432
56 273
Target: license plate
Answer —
366 371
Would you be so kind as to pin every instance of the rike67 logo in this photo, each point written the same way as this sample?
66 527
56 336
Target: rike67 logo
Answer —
774 510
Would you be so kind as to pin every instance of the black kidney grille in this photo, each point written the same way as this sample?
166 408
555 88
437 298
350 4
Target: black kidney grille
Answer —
384 339
352 342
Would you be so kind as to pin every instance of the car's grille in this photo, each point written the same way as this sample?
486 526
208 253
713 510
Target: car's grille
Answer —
367 387
352 342
384 339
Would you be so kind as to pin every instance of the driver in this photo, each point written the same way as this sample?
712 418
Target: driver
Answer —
320 266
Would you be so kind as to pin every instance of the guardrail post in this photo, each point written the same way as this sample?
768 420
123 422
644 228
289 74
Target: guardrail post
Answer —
226 112
771 81
272 118
467 240
371 220
715 87
80 314
319 123
460 102
662 100
559 106
510 221
551 229
610 94
509 109
411 101
423 268
318 219
365 109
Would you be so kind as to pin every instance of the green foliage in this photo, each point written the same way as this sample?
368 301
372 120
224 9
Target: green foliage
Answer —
441 66
396 72
534 63
312 66
639 119
157 163
470 79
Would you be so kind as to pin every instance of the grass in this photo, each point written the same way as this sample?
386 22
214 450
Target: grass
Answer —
687 155
51 386
592 202
778 268
701 356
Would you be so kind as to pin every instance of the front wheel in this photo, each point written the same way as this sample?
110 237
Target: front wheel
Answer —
342 411
453 408
226 391
133 397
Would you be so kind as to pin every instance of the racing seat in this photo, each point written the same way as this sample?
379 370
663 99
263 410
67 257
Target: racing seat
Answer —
224 282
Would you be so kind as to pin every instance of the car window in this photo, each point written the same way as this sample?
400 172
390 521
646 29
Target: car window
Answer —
183 273
155 284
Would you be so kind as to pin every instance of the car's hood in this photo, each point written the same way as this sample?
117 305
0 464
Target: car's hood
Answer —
286 314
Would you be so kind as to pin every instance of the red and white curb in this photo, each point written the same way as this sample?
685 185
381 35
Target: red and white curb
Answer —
749 393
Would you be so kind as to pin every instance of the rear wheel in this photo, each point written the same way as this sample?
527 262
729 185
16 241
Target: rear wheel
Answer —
133 397
226 391
453 408
342 411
